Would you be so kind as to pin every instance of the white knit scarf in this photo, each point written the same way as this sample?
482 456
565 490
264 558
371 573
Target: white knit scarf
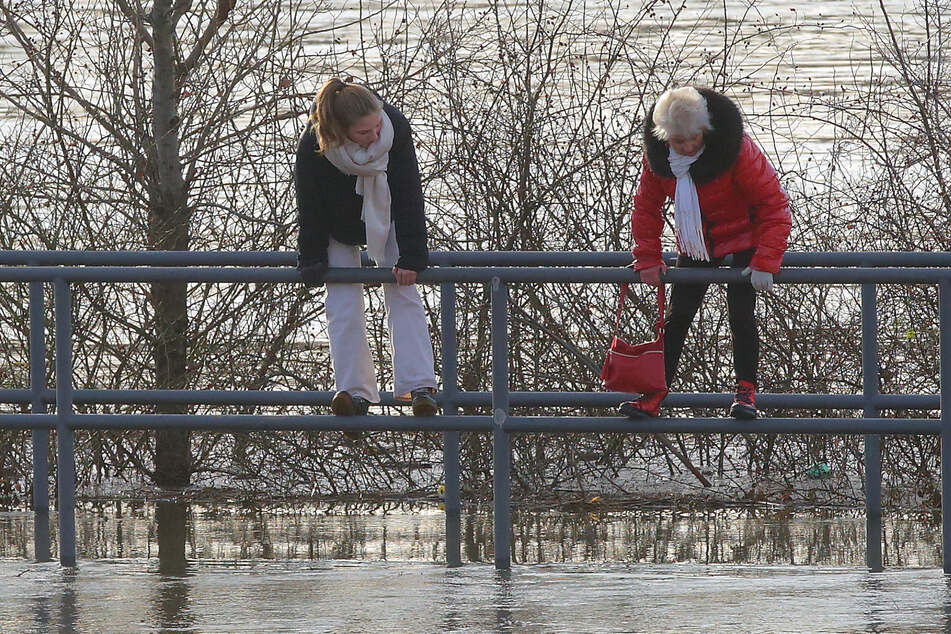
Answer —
687 222
369 166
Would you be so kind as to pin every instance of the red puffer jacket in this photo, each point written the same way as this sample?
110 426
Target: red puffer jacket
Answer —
742 204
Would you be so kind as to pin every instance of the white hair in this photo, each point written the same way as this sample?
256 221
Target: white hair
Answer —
681 112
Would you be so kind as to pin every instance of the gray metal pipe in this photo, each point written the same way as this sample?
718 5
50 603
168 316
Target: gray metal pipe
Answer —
873 443
945 324
211 397
41 436
512 424
479 399
29 421
148 258
65 458
26 397
444 258
466 275
450 383
501 442
709 399
252 422
614 424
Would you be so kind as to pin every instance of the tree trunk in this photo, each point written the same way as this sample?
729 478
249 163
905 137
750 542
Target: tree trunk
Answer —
168 230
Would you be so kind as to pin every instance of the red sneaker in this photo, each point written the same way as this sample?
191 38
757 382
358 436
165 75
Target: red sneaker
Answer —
744 403
647 406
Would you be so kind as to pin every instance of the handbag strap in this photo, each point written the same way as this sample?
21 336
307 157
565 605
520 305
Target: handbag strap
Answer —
661 301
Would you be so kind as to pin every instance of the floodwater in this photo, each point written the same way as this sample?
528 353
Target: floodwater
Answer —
383 569
346 596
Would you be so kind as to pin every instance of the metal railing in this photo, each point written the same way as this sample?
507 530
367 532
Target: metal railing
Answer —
499 270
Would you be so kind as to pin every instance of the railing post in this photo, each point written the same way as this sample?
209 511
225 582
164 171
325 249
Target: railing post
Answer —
501 446
41 437
944 295
873 442
65 461
450 386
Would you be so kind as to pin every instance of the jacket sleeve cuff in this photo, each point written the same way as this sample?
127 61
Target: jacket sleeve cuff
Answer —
766 260
303 261
411 263
643 261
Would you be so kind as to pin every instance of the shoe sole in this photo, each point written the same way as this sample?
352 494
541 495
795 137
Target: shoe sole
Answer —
342 405
742 412
425 408
635 414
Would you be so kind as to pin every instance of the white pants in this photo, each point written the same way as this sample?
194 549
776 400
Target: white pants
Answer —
410 345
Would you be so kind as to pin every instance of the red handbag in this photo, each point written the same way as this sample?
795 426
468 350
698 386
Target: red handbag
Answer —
638 369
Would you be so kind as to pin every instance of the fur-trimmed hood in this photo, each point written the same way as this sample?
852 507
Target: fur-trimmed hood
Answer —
722 144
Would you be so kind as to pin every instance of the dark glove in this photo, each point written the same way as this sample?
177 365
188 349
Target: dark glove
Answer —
313 274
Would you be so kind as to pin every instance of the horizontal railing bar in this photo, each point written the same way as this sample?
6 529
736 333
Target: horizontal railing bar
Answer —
576 424
28 421
623 258
251 422
206 397
839 275
513 424
148 258
23 397
707 399
443 258
474 399
283 423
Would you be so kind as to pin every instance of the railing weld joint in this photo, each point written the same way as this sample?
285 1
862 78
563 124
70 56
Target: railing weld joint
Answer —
499 416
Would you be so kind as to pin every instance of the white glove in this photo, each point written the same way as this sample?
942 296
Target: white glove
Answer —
760 280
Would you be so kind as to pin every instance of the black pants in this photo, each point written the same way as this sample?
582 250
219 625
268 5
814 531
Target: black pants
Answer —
741 298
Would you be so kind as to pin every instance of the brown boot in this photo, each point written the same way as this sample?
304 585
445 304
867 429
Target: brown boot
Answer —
345 404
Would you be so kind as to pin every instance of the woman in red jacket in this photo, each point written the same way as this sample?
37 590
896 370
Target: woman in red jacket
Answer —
727 201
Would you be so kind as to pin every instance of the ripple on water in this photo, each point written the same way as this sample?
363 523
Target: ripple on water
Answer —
129 595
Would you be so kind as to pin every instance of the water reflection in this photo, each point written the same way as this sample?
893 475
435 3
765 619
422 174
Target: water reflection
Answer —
68 614
56 611
197 533
170 528
504 602
947 603
873 614
170 608
706 536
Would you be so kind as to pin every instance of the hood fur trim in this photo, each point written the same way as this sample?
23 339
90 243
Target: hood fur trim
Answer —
722 143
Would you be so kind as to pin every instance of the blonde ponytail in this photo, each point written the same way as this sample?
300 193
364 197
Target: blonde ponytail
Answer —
338 105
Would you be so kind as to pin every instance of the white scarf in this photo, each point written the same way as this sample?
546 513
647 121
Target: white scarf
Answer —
369 166
687 222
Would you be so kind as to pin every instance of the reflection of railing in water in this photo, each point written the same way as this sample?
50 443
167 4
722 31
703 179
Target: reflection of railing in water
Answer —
226 535
499 269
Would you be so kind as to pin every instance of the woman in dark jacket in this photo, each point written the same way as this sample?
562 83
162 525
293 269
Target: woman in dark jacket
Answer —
357 183
727 201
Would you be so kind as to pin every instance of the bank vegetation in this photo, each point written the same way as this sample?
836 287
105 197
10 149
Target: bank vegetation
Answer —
172 125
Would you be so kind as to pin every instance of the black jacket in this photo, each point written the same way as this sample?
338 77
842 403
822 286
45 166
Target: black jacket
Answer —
328 205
